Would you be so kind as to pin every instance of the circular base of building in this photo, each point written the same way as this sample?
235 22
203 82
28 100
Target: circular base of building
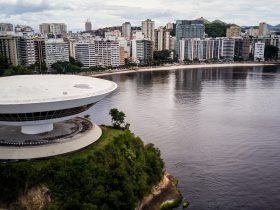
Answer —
66 137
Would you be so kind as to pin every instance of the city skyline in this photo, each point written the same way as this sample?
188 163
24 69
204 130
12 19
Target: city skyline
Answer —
110 13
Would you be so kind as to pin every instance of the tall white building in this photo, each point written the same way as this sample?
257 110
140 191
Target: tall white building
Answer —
126 30
200 49
98 53
169 26
56 50
85 53
148 28
27 50
253 32
259 51
137 35
161 39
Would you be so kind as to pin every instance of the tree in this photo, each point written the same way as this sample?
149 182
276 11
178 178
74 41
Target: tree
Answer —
4 64
162 56
17 70
187 61
75 62
117 117
65 67
271 52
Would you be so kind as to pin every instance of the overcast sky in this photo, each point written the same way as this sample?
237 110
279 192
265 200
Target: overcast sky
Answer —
114 12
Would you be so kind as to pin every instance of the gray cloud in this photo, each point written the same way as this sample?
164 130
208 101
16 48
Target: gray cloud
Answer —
21 6
112 12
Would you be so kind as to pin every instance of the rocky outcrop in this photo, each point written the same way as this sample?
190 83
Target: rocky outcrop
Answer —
35 199
166 190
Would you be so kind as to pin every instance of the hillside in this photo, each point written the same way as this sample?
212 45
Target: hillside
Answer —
114 173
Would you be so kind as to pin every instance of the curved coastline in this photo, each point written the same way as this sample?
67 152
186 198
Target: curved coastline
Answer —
175 67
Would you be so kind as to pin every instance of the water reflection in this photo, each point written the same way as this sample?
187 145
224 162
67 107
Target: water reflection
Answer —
217 129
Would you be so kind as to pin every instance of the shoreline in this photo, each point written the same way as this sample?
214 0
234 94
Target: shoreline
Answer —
174 67
163 192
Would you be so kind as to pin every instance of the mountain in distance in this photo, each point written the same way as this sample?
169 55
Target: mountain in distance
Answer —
269 27
219 21
215 21
273 28
204 20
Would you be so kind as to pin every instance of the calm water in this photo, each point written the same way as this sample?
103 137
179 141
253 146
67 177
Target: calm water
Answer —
218 131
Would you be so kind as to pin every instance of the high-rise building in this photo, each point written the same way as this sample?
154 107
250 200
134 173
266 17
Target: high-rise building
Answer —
44 28
126 30
58 28
172 43
148 27
72 45
6 28
242 48
123 56
200 49
137 35
259 51
263 31
228 49
189 29
9 48
53 28
56 50
27 50
142 51
233 31
85 53
18 50
23 29
98 53
169 26
88 26
40 50
107 53
161 39
253 32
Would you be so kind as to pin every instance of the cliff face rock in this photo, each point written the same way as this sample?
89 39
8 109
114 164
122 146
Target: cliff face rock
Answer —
35 199
164 191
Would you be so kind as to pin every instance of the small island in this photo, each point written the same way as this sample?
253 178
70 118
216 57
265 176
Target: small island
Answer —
116 172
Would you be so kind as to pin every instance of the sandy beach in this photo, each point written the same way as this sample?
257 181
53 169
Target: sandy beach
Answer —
173 67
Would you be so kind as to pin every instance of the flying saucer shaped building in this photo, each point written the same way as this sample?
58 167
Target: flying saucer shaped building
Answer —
41 111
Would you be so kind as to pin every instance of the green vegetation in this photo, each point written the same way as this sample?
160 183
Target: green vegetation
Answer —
114 173
185 204
17 70
117 118
7 69
161 57
171 204
217 28
270 52
65 67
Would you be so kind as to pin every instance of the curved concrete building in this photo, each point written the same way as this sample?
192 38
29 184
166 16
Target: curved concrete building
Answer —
42 107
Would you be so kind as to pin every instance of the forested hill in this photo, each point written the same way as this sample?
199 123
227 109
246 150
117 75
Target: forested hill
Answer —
114 173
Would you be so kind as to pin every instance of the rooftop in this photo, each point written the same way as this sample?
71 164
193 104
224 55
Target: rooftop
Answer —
28 89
